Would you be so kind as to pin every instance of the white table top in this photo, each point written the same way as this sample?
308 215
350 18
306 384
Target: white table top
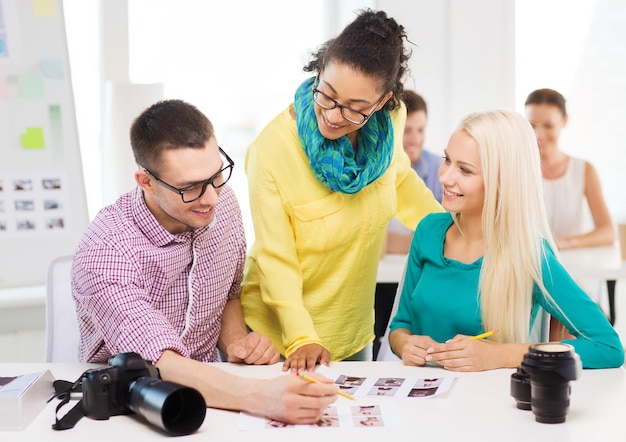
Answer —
478 407
589 262
595 262
390 268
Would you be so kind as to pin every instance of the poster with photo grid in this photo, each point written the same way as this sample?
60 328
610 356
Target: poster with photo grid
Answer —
43 208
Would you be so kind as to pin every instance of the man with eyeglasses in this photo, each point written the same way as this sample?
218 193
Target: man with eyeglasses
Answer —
159 271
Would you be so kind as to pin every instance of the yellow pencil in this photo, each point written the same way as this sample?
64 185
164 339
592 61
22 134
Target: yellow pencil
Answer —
480 336
315 381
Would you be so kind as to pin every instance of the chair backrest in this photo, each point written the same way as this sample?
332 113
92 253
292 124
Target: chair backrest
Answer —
385 353
62 333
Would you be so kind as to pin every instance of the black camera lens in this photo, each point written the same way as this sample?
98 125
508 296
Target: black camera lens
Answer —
172 407
520 389
550 368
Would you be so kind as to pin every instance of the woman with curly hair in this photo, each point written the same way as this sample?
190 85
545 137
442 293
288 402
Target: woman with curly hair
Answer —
325 177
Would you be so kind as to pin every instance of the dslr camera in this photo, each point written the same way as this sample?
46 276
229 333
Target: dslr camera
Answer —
132 384
542 381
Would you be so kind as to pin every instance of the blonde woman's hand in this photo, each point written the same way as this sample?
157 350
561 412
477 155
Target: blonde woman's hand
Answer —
459 354
413 349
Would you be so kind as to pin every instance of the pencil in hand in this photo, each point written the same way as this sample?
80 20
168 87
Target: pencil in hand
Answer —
480 336
315 381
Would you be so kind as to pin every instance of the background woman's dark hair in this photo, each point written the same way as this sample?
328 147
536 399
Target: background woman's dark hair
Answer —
372 44
168 124
414 102
547 96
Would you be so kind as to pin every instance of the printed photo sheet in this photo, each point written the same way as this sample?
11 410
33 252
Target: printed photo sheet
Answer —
398 387
342 415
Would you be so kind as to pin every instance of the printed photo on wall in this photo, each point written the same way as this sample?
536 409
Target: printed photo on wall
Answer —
51 183
22 184
34 204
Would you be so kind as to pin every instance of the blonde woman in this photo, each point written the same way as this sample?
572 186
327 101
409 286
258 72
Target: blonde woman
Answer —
489 263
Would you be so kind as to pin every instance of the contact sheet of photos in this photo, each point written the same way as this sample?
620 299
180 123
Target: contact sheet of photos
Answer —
399 387
32 203
340 415
360 414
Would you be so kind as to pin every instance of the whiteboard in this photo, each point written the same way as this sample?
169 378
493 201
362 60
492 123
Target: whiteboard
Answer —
43 209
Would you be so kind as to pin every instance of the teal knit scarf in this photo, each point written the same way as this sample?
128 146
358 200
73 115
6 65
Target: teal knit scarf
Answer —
333 161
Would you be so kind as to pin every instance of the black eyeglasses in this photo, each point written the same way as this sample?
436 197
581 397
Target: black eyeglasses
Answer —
194 191
353 116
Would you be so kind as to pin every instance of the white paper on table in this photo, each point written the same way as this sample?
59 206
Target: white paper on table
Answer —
379 386
352 415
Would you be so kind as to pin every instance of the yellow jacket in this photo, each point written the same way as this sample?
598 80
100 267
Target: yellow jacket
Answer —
310 276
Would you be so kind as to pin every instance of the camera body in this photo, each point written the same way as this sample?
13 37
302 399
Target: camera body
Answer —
106 391
132 385
542 381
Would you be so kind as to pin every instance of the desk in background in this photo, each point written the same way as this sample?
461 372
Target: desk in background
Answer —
600 263
390 268
477 408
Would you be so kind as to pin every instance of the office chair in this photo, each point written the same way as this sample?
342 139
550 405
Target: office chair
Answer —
61 323
384 352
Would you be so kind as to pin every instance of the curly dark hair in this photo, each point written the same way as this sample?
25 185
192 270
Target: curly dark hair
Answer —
372 44
168 124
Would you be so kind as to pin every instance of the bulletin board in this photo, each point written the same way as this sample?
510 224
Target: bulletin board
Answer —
43 209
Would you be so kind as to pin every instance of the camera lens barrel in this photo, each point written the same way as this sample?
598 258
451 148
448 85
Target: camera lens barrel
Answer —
550 400
520 389
177 409
550 367
552 358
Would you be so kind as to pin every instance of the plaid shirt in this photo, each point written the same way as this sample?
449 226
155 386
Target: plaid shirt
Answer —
139 288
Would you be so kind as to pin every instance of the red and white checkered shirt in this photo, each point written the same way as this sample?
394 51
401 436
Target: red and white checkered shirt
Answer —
139 288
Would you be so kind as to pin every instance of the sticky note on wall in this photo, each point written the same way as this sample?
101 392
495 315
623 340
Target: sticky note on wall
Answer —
44 7
52 68
33 138
31 86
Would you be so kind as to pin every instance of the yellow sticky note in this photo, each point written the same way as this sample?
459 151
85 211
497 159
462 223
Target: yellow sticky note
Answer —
33 138
44 7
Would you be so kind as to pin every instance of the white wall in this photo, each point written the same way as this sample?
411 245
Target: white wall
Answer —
472 56
584 57
464 60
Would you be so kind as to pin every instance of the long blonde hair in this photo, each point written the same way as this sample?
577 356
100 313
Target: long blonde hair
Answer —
514 221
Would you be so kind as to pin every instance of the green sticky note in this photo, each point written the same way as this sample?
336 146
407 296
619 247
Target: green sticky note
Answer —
31 86
33 138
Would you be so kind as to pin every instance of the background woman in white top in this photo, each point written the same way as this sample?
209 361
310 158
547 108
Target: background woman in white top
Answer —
572 188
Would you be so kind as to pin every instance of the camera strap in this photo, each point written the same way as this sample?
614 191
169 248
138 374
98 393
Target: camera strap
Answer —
63 390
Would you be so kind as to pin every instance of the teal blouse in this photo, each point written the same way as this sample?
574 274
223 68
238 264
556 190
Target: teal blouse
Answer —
440 298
